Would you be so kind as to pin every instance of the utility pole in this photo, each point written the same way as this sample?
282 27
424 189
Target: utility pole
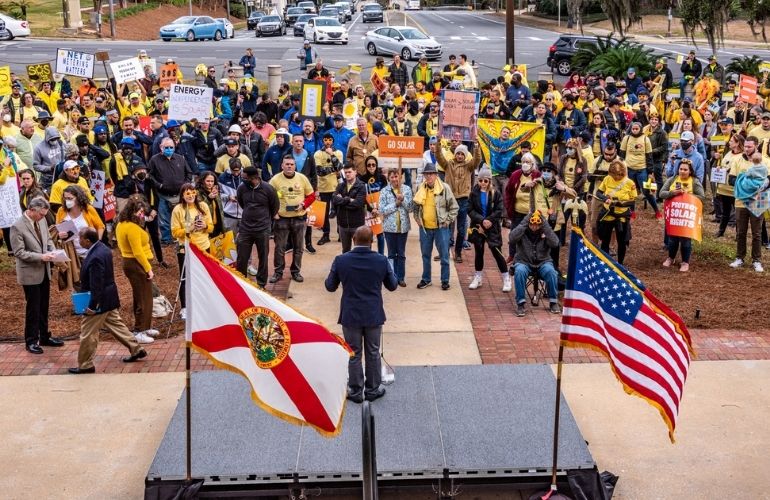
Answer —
190 4
509 46
112 18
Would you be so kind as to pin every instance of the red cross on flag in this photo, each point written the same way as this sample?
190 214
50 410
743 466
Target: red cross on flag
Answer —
297 368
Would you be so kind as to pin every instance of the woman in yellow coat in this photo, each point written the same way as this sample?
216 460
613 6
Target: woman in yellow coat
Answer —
190 221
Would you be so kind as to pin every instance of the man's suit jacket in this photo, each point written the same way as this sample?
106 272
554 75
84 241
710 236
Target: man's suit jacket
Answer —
362 273
30 268
98 277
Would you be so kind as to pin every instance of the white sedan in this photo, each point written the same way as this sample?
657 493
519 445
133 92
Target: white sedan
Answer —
325 29
15 27
229 28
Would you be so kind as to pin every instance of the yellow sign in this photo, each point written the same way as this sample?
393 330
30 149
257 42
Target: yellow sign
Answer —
5 80
679 59
764 67
489 134
718 140
40 72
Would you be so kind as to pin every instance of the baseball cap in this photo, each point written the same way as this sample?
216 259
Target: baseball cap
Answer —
687 136
129 141
631 70
306 42
231 142
134 95
727 120
338 117
83 119
100 129
172 124
766 114
71 164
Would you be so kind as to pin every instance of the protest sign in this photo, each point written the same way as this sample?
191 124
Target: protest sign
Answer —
378 84
684 216
316 214
127 70
313 94
719 175
350 113
373 221
489 135
168 75
110 206
400 146
97 187
458 112
5 80
40 72
747 91
72 62
10 210
144 125
187 102
147 61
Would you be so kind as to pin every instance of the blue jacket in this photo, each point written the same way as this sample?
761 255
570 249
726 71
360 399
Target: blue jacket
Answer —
362 272
271 162
251 61
341 139
521 94
672 167
98 277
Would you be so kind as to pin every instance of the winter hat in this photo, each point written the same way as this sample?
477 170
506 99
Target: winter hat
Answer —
485 172
462 148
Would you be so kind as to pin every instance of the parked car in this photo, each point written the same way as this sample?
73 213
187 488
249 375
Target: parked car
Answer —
372 12
348 9
253 19
332 11
299 25
270 25
408 41
229 28
193 28
561 52
292 13
4 34
308 6
326 29
15 27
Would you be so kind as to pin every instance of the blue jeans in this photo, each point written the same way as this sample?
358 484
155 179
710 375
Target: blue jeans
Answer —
640 177
546 272
381 244
462 225
165 207
674 244
205 167
397 253
441 238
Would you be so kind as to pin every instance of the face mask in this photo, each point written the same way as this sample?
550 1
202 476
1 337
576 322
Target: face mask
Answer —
141 176
6 118
686 145
69 203
547 176
570 151
526 168
168 152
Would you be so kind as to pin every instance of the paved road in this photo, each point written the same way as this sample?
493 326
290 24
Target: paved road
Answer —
480 36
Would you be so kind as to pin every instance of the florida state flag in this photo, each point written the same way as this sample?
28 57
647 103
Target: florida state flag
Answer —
296 367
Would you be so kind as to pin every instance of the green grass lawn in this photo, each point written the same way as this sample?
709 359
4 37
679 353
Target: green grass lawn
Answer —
45 16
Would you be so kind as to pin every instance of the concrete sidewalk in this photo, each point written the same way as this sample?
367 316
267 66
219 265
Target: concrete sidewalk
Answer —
94 437
424 327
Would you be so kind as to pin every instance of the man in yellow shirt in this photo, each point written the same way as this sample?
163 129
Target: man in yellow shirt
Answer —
233 151
328 162
292 188
48 97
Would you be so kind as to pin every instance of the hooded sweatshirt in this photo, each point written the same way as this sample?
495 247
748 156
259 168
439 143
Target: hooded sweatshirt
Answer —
48 153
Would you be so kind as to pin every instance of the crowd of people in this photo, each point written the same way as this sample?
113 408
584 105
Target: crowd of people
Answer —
613 146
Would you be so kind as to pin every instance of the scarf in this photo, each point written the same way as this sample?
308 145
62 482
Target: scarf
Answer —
422 192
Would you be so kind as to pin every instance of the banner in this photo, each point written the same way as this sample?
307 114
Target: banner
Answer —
378 84
316 214
684 216
223 248
313 94
187 102
373 221
127 70
489 135
400 146
747 91
350 113
40 72
5 80
168 75
10 209
71 62
97 187
458 112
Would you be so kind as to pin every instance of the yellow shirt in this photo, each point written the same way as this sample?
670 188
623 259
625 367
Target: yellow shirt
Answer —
636 149
60 185
182 221
60 120
292 192
737 167
727 161
684 185
134 243
9 130
223 162
623 190
521 206
429 214
569 171
327 183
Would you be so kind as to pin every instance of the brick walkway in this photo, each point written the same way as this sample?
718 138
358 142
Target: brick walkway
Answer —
501 336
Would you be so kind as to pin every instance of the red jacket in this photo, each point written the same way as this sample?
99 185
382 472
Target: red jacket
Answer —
512 188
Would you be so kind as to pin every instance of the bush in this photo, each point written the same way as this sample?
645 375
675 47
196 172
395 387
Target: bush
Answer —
745 65
611 56
134 9
238 11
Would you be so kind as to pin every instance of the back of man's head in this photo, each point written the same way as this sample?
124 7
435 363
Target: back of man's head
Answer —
363 236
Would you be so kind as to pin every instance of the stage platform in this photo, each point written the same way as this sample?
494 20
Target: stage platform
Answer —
437 427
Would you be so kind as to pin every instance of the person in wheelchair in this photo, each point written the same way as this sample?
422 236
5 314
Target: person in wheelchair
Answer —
534 239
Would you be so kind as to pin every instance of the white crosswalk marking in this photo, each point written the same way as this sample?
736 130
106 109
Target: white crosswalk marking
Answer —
483 38
534 38
455 37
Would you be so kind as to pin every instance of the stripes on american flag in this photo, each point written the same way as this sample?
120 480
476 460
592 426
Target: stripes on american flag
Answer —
609 310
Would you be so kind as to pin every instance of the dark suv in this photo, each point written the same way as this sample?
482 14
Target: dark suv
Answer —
560 53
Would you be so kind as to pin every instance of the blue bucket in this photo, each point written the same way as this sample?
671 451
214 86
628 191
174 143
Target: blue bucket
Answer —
80 302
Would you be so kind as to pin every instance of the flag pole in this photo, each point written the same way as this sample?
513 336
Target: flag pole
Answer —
188 340
556 418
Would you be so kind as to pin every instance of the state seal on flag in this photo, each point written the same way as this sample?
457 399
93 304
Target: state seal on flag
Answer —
268 336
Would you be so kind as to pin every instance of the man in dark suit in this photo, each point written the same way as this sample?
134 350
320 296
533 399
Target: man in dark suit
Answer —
362 273
33 249
98 277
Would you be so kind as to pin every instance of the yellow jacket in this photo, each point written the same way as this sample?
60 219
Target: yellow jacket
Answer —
182 220
134 243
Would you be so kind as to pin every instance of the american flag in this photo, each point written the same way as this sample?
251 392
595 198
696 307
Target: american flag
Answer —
608 309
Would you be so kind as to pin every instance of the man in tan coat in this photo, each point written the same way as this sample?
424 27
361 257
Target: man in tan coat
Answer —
33 249
361 145
458 173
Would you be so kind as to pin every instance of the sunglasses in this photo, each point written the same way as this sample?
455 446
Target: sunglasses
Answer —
371 164
485 181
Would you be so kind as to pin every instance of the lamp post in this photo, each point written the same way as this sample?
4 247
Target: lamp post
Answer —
509 43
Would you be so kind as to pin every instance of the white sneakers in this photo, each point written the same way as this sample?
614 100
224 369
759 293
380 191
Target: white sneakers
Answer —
736 263
152 332
758 267
252 270
476 281
183 313
506 282
143 338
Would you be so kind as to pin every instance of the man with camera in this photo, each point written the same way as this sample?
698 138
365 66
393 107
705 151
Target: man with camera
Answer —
686 150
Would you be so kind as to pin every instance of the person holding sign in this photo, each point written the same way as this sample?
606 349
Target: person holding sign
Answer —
725 193
683 182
